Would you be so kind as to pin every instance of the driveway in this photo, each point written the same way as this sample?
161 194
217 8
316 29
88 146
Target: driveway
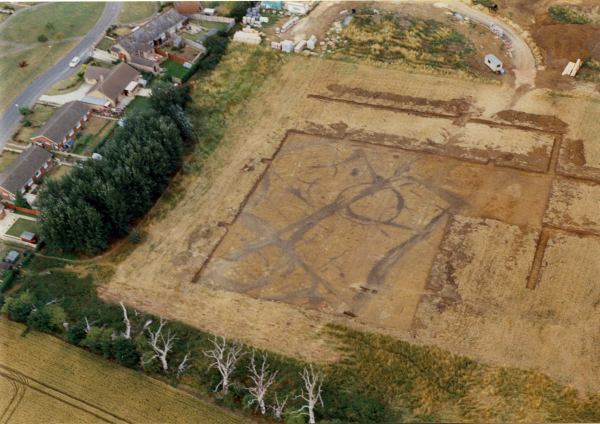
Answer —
10 116
61 99
522 56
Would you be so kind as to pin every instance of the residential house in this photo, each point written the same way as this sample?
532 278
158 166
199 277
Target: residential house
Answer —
110 88
187 7
24 171
59 131
93 74
139 48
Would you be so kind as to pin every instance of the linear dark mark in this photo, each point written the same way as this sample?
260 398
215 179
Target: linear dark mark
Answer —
259 179
538 258
554 155
572 230
16 399
431 114
49 387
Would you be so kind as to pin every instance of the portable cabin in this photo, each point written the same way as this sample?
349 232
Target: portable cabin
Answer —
494 63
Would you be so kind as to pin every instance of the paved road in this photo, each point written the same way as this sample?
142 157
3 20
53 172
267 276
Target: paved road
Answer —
10 116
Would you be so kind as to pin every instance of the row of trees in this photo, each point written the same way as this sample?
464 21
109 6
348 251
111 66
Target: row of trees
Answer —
98 200
150 344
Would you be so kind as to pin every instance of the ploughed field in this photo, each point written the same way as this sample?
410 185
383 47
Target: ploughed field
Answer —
442 211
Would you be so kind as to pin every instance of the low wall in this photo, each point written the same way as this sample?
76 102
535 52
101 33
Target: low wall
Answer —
28 211
229 21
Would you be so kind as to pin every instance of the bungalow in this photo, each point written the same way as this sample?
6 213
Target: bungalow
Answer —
139 46
112 86
59 131
24 171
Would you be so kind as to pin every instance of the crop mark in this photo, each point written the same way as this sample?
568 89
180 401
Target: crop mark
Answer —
60 395
538 258
19 388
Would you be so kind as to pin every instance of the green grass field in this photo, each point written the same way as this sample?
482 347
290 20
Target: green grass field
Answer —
21 225
55 20
136 11
174 69
13 79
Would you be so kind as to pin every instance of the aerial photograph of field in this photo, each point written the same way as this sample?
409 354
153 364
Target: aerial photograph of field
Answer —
300 212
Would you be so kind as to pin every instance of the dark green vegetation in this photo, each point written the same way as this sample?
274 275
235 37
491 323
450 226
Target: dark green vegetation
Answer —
590 70
174 69
568 15
378 379
96 202
394 38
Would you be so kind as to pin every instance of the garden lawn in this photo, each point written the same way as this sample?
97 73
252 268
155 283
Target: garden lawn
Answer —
174 69
41 113
6 159
91 136
21 225
55 20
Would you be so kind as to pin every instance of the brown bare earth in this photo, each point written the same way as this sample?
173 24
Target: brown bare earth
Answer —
436 209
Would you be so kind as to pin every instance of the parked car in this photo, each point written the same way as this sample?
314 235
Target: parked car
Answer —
74 62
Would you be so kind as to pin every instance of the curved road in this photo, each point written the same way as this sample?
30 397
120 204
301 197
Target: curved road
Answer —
10 116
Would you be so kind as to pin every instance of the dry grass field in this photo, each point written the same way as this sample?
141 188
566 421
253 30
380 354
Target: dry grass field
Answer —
430 208
42 378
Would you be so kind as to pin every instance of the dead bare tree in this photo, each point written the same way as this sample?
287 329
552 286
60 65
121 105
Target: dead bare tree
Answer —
278 408
127 333
262 378
311 392
160 345
224 358
183 365
88 325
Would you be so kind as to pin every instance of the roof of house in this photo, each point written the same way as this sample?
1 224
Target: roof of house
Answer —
95 72
23 168
63 121
140 60
187 6
141 39
115 82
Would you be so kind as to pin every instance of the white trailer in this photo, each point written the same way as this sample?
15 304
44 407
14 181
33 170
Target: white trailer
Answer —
494 64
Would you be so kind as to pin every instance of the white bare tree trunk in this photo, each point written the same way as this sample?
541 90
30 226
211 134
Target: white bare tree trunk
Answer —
160 345
224 358
262 378
127 333
311 392
183 365
278 408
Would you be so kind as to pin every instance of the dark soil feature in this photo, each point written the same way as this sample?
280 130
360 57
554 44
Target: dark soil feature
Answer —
542 122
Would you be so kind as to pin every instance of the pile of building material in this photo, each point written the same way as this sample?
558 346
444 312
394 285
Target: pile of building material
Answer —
287 46
572 68
254 18
311 43
248 36
290 23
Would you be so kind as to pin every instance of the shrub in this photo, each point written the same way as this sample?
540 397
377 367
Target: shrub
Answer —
42 38
25 111
568 15
126 353
76 333
18 308
99 340
7 280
